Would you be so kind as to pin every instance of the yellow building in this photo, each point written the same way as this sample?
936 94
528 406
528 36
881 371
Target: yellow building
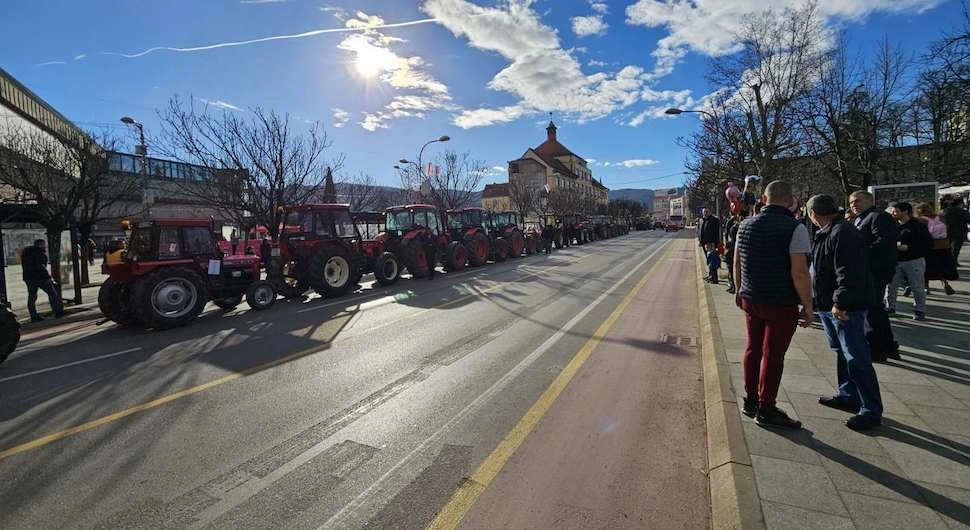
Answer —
496 198
554 167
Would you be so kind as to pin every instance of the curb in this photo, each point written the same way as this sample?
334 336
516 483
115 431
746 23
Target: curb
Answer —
734 496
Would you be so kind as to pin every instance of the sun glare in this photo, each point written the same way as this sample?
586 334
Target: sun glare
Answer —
372 61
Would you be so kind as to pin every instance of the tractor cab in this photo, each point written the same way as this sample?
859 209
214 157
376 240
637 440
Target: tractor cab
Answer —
467 219
407 227
407 221
369 224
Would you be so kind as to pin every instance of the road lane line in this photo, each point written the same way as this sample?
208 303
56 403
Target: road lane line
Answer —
464 498
336 519
148 405
75 363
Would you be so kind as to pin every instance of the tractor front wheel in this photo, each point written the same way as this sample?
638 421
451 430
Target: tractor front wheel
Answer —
9 332
331 273
260 295
501 250
416 259
387 269
113 302
457 256
169 297
477 248
516 244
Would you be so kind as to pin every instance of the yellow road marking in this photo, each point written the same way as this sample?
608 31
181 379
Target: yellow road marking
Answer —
141 407
451 515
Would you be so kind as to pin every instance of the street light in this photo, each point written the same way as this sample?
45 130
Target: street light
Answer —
142 151
419 164
678 112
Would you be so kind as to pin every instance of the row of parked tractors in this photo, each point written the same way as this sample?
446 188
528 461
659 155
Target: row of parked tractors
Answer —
174 267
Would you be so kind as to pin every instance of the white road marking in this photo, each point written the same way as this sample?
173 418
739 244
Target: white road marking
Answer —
75 363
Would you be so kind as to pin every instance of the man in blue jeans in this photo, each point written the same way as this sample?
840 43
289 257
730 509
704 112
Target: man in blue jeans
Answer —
842 288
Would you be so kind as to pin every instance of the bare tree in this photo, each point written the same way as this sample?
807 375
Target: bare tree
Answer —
255 166
457 180
524 198
359 191
67 178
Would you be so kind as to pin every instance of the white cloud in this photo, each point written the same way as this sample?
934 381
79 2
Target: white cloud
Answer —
588 26
339 13
638 163
374 58
710 27
543 76
595 63
340 117
80 56
51 63
220 104
599 7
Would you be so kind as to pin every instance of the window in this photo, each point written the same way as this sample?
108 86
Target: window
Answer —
198 241
343 224
433 222
400 220
324 224
169 246
421 218
297 222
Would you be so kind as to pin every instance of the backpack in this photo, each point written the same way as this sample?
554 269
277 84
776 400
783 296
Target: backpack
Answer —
937 228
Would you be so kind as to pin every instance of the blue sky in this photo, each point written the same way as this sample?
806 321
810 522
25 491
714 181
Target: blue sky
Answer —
487 72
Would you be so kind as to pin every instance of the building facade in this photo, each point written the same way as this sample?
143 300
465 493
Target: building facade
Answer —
496 198
553 167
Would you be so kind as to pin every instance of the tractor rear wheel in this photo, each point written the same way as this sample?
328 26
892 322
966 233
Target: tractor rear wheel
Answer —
331 273
501 250
477 247
113 302
169 297
415 258
228 304
387 269
260 295
457 256
9 332
516 244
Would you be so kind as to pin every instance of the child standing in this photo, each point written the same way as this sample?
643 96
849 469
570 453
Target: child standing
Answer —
713 263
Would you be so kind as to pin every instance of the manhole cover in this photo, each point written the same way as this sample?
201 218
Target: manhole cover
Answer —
676 340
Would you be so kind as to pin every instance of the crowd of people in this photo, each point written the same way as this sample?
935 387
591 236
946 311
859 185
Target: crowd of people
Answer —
788 266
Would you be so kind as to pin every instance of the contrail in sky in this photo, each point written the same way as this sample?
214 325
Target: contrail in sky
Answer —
267 39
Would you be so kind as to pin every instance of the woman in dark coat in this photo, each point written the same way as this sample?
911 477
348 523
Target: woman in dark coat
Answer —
940 264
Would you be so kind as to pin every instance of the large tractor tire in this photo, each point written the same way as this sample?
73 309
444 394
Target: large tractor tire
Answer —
415 259
516 244
113 302
9 332
260 295
169 297
229 303
387 269
477 248
289 281
456 257
501 250
332 273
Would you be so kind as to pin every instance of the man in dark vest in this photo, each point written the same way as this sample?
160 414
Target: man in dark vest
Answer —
709 232
772 279
878 230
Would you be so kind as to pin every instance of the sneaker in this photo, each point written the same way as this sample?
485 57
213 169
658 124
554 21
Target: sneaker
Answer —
948 290
862 422
776 418
907 291
730 290
840 403
750 408
919 315
37 319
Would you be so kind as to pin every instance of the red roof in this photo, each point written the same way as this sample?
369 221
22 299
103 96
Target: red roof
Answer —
495 190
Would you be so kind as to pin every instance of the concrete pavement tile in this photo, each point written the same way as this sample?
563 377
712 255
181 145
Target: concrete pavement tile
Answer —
877 477
892 405
923 395
958 390
953 504
922 454
887 373
796 354
807 405
795 446
835 434
784 517
796 484
882 514
795 367
943 420
807 384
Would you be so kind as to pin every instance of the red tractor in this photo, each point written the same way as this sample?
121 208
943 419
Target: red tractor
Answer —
408 227
509 226
320 249
472 228
173 267
385 266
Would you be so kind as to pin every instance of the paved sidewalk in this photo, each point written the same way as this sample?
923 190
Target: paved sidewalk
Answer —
17 291
913 472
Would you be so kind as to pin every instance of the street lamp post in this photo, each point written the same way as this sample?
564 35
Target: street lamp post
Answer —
419 163
677 112
142 151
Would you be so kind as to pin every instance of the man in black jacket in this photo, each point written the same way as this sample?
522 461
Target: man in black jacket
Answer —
33 260
842 295
957 219
709 232
912 245
878 230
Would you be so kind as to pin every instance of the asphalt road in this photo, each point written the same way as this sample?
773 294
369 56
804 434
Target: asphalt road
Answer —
562 391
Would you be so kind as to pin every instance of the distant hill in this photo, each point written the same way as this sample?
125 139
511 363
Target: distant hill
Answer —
644 197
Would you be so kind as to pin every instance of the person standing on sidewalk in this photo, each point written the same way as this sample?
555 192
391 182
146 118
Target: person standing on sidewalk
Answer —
771 274
912 245
878 231
957 220
34 260
842 289
730 239
709 232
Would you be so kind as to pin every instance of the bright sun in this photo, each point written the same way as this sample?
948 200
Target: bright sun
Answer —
371 61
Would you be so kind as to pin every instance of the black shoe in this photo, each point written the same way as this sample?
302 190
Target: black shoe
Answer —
908 291
37 318
750 408
776 418
862 422
840 403
730 290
